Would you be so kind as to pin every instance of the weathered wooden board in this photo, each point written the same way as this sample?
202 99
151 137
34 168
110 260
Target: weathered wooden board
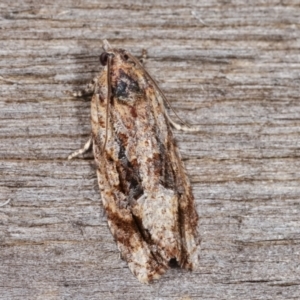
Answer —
231 66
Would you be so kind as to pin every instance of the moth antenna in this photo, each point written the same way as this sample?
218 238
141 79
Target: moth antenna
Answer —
108 99
106 45
160 91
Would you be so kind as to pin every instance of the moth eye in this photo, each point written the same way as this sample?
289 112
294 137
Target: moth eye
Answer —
127 58
104 58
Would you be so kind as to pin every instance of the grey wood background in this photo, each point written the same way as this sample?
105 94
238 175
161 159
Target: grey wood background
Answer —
231 66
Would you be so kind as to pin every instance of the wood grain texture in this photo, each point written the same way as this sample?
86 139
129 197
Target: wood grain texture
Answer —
231 66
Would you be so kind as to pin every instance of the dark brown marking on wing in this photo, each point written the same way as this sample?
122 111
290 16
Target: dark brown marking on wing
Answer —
130 181
156 163
124 86
163 166
126 227
133 112
123 139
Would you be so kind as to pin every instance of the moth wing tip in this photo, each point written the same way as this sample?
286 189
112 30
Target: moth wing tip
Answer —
148 275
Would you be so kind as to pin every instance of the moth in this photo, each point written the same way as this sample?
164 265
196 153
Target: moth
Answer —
144 187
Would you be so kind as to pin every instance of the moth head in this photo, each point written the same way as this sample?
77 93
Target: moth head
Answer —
121 72
119 55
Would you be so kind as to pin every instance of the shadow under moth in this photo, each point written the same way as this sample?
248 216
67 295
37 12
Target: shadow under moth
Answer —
144 188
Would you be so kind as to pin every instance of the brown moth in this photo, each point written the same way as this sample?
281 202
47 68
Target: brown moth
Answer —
144 188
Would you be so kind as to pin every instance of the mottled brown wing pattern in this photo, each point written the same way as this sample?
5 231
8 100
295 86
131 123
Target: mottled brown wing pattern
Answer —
144 188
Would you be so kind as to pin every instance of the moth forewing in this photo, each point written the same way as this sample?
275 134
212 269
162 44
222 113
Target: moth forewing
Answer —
144 188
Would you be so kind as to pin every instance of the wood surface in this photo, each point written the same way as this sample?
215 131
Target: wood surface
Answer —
232 67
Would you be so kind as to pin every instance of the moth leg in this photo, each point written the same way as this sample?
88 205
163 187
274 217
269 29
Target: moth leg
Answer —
187 128
87 91
84 149
143 57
